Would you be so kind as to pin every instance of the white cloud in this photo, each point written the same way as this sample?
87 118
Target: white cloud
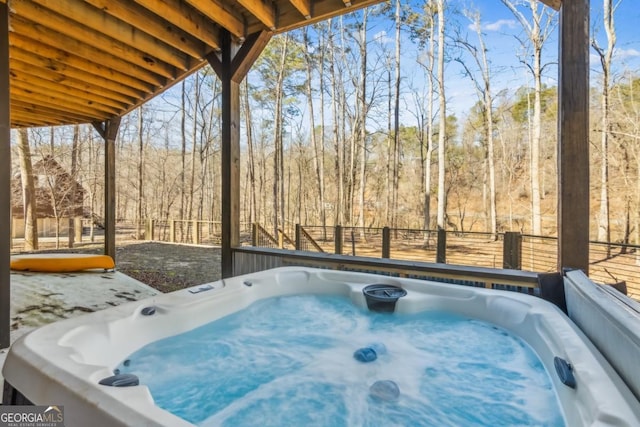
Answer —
473 27
382 38
500 24
621 54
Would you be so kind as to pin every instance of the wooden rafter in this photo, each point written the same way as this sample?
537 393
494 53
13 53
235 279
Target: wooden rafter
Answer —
289 17
33 109
182 16
75 57
303 6
63 72
29 72
227 19
19 90
555 4
125 34
40 84
143 19
263 10
67 31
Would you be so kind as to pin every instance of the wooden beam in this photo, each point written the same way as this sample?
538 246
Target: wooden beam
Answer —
29 108
221 15
248 54
555 4
265 12
23 91
69 30
32 112
5 182
230 157
150 23
303 6
58 49
63 72
185 17
289 16
45 74
109 131
104 24
21 120
573 136
63 90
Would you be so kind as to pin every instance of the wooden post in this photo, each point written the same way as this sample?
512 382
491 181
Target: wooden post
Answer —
231 69
149 233
386 242
196 232
78 228
298 237
338 239
441 251
573 136
254 234
172 231
512 250
109 132
5 180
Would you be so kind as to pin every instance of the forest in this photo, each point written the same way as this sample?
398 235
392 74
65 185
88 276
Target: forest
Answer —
417 114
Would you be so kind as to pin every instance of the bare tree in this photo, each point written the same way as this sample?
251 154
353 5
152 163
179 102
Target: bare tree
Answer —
537 31
140 195
485 96
75 153
28 192
253 206
318 146
363 111
442 134
605 55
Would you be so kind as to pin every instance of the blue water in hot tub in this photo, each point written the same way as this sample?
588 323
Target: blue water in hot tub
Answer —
288 361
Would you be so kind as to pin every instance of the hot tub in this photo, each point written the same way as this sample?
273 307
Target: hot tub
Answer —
63 363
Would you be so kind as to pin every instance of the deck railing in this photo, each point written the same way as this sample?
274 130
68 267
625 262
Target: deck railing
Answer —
248 259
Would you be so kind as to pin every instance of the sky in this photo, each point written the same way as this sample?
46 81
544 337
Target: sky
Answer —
502 30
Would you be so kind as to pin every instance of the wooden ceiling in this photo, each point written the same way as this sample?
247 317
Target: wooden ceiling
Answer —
81 61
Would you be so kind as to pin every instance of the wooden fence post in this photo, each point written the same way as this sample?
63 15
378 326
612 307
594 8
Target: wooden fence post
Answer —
172 230
254 234
512 250
298 237
338 239
77 228
196 232
386 242
441 252
149 233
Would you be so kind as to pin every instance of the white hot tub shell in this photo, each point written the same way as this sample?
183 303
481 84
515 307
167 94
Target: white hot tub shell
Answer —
63 362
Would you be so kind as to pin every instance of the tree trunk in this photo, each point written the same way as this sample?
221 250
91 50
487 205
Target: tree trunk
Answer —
278 170
183 153
140 170
604 228
28 192
76 208
537 36
363 119
318 147
396 121
252 162
443 119
339 219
